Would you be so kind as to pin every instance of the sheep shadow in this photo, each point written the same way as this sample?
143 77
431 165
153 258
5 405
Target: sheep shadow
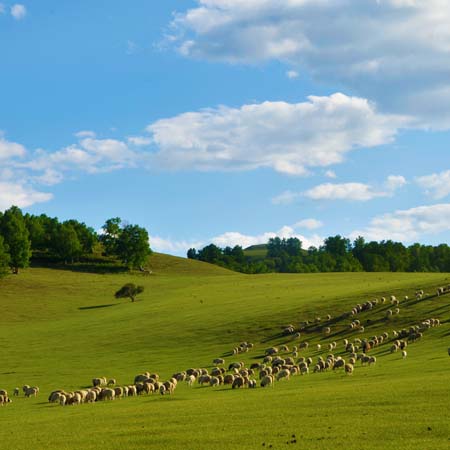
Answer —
84 308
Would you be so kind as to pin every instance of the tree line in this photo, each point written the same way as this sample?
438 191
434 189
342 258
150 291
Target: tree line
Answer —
337 254
24 237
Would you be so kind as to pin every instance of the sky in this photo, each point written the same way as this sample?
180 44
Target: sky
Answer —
230 121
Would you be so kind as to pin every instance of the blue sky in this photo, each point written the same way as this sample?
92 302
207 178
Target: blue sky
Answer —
230 120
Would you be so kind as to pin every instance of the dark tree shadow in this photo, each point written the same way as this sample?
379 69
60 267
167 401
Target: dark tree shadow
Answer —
82 308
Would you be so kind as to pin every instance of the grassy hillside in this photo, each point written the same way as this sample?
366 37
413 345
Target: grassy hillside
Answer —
58 329
256 252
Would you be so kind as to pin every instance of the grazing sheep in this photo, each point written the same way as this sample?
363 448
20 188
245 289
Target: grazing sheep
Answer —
218 361
252 384
267 381
238 382
327 330
91 396
214 381
319 347
111 382
108 394
4 399
16 392
404 354
283 374
348 368
32 391
3 392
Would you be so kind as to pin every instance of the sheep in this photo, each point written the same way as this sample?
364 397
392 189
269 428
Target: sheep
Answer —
101 381
404 354
25 388
319 347
339 363
4 399
32 391
119 390
252 384
91 396
218 361
271 351
238 382
214 381
54 396
327 330
111 382
4 392
348 368
283 374
108 394
267 381
16 392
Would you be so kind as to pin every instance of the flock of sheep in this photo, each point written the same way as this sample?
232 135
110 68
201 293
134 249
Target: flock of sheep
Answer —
277 364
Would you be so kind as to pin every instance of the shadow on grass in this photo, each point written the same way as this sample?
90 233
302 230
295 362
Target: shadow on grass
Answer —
83 308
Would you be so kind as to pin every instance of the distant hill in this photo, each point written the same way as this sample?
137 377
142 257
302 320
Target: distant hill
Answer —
160 263
256 252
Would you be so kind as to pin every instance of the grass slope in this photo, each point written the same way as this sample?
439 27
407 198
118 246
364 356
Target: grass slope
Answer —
58 329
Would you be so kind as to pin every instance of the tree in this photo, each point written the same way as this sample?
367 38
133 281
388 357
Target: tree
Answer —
129 290
132 246
16 237
111 232
67 244
4 257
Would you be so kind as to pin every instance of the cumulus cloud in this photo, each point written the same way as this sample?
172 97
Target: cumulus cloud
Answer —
437 185
233 238
10 150
89 155
330 174
12 193
396 52
18 11
408 225
167 245
139 141
309 224
343 191
85 134
287 137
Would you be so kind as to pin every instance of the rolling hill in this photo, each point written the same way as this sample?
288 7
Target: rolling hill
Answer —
59 329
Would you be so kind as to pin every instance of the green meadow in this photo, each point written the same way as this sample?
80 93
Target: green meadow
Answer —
61 328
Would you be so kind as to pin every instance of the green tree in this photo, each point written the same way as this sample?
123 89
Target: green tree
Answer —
110 236
86 235
16 237
4 257
130 291
67 244
132 246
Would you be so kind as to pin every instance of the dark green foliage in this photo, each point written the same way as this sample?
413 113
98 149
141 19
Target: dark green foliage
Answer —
337 254
67 245
130 291
133 246
16 237
111 232
4 257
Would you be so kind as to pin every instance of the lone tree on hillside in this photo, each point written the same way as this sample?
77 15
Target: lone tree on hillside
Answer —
129 290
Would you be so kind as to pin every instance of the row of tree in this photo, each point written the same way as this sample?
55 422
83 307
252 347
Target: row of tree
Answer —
25 236
337 254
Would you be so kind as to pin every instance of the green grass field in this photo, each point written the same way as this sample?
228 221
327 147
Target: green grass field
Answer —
59 329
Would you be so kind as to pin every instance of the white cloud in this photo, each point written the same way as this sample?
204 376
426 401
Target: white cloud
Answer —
395 182
233 238
89 155
286 198
286 137
408 225
167 245
292 74
139 141
309 224
437 185
396 52
10 150
85 134
344 191
12 193
18 11
330 174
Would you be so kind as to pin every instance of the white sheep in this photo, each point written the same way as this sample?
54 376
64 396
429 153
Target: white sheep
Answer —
404 354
